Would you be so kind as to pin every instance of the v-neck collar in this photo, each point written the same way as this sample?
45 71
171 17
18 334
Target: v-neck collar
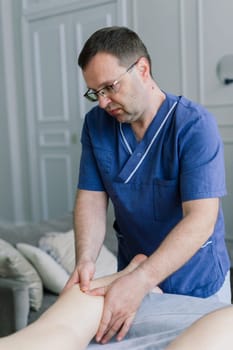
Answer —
139 150
127 134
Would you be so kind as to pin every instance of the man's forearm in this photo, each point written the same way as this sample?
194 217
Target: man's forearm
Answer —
89 223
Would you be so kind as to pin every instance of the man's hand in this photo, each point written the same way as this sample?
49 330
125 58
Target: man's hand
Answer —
83 274
122 299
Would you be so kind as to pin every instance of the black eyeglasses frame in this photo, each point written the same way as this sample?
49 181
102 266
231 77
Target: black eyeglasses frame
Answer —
93 95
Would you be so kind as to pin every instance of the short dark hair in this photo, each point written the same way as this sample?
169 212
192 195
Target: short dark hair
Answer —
121 42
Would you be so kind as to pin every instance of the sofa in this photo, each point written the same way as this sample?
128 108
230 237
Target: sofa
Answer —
35 263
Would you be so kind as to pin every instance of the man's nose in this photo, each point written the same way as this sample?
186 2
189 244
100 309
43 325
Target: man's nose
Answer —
103 101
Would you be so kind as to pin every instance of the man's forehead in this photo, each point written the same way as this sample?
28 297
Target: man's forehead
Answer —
102 69
104 59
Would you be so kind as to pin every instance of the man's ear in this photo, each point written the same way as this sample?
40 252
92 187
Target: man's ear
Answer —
144 67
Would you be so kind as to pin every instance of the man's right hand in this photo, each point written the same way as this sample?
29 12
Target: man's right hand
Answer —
83 274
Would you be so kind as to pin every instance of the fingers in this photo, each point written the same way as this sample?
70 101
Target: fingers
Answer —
83 275
110 328
112 331
85 271
104 324
125 328
100 292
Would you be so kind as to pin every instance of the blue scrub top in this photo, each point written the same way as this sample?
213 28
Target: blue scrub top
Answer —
180 158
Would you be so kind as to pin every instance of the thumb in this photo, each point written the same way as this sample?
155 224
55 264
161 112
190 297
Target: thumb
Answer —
85 281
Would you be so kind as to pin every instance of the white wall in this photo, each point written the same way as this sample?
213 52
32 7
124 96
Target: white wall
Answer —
187 38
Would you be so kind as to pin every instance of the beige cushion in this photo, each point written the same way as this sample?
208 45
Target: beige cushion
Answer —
54 277
14 265
61 247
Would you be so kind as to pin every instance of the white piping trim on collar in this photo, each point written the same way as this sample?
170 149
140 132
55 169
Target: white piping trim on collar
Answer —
125 140
151 143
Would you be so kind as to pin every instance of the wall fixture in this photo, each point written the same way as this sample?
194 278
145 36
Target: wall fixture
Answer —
224 69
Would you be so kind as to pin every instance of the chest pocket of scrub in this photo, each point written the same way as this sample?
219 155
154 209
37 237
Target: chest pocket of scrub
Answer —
167 202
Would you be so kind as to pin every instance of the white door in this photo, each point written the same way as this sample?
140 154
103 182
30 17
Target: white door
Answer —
55 105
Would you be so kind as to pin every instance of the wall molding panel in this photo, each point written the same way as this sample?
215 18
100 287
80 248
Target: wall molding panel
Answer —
39 79
54 138
56 177
12 109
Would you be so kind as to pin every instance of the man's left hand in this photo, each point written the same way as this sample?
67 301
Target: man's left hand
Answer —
122 300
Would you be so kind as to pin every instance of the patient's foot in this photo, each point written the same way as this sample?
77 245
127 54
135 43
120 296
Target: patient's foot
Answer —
157 290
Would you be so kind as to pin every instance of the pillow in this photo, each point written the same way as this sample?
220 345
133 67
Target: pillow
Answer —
106 263
54 277
14 265
61 247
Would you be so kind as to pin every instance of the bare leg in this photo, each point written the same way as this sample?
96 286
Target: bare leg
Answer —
70 323
212 331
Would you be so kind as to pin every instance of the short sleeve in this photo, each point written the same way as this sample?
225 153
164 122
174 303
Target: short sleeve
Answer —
202 160
89 175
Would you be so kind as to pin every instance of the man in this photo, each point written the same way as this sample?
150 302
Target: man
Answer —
159 158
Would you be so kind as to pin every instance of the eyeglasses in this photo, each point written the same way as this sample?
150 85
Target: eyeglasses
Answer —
92 95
